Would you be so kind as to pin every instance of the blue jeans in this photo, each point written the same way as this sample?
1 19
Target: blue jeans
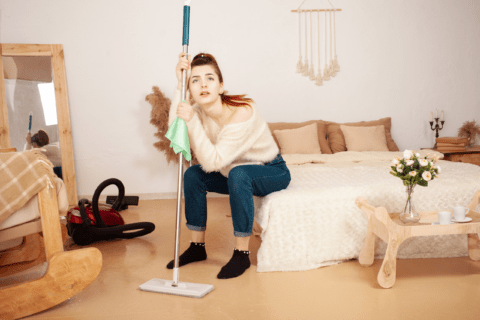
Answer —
242 184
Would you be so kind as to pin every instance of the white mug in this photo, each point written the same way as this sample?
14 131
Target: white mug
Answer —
459 213
444 217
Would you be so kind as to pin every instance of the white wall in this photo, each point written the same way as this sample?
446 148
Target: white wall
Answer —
401 59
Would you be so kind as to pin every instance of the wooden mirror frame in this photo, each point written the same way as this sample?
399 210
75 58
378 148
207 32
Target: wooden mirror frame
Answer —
55 51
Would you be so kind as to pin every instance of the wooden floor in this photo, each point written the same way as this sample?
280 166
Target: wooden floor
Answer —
425 288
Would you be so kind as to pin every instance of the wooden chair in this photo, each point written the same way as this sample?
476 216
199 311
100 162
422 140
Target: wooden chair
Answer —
29 251
67 274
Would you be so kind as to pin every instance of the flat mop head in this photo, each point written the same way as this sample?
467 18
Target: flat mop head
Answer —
187 289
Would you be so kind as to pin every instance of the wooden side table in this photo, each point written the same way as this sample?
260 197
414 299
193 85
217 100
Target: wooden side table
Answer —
393 231
470 155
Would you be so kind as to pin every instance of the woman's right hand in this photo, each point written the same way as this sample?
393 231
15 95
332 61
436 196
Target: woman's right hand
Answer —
183 64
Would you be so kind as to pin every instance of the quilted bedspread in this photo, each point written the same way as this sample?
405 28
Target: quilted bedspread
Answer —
315 222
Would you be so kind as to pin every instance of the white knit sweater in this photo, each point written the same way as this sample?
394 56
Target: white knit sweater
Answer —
248 142
51 151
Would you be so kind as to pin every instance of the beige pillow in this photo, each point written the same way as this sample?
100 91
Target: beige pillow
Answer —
303 140
336 139
321 128
365 138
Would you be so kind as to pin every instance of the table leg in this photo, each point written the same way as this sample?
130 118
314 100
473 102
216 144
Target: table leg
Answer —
367 254
388 271
474 246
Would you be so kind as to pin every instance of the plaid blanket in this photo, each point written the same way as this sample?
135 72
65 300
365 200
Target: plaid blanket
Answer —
22 176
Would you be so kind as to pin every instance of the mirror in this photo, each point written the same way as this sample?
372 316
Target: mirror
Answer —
33 83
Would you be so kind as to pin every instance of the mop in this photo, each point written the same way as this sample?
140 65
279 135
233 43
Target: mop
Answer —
178 135
30 116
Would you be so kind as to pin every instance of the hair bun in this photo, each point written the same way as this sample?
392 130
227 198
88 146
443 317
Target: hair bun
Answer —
41 138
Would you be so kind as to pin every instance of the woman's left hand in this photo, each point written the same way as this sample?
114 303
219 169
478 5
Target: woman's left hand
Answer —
185 111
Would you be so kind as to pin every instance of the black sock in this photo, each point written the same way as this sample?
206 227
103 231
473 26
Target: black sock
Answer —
236 266
196 252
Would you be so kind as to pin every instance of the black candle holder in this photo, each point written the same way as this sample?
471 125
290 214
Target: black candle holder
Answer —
436 128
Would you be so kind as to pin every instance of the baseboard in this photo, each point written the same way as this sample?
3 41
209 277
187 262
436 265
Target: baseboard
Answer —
153 196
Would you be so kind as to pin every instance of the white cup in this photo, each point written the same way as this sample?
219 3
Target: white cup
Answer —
459 213
444 217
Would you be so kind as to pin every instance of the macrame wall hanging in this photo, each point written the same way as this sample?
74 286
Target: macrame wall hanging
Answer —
330 65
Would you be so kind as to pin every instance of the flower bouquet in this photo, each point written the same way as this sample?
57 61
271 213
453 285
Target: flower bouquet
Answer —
413 170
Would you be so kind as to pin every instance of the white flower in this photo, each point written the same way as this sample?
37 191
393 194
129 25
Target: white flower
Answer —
417 155
427 176
409 162
399 170
408 154
423 162
400 166
413 173
395 161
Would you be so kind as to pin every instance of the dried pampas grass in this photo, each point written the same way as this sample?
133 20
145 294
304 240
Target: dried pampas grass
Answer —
470 130
159 118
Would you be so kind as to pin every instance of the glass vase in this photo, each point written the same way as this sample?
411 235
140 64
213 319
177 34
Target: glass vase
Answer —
409 214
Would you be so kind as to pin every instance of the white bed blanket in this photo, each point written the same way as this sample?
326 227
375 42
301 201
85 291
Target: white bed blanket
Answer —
315 222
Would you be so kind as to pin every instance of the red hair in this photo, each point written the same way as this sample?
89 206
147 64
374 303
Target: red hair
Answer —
203 59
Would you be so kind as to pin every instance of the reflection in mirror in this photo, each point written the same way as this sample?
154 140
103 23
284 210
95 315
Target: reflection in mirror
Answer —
51 59
29 90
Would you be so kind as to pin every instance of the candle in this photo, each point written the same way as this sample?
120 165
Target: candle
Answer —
431 116
442 115
436 113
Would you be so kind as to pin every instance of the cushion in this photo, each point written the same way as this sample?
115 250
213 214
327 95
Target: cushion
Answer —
365 138
303 140
30 210
336 139
321 131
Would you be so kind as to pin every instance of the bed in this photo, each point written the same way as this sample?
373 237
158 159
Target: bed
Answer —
315 221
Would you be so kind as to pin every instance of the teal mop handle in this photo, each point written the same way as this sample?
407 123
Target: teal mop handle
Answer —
186 26
30 116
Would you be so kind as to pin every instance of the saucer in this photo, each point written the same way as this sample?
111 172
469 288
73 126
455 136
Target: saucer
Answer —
467 219
437 223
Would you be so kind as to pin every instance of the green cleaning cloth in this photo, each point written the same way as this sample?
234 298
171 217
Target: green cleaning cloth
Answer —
178 135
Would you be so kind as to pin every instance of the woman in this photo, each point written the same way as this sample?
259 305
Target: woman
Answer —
51 151
237 156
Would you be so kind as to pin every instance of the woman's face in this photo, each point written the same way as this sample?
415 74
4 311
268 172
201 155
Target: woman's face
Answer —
205 87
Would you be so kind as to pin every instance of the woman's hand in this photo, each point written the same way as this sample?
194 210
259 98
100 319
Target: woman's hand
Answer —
183 64
185 111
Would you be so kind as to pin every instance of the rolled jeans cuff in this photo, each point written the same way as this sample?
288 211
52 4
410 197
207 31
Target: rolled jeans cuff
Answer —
195 228
242 234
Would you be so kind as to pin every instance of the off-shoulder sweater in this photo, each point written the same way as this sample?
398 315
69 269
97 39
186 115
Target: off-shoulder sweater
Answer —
51 151
221 149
